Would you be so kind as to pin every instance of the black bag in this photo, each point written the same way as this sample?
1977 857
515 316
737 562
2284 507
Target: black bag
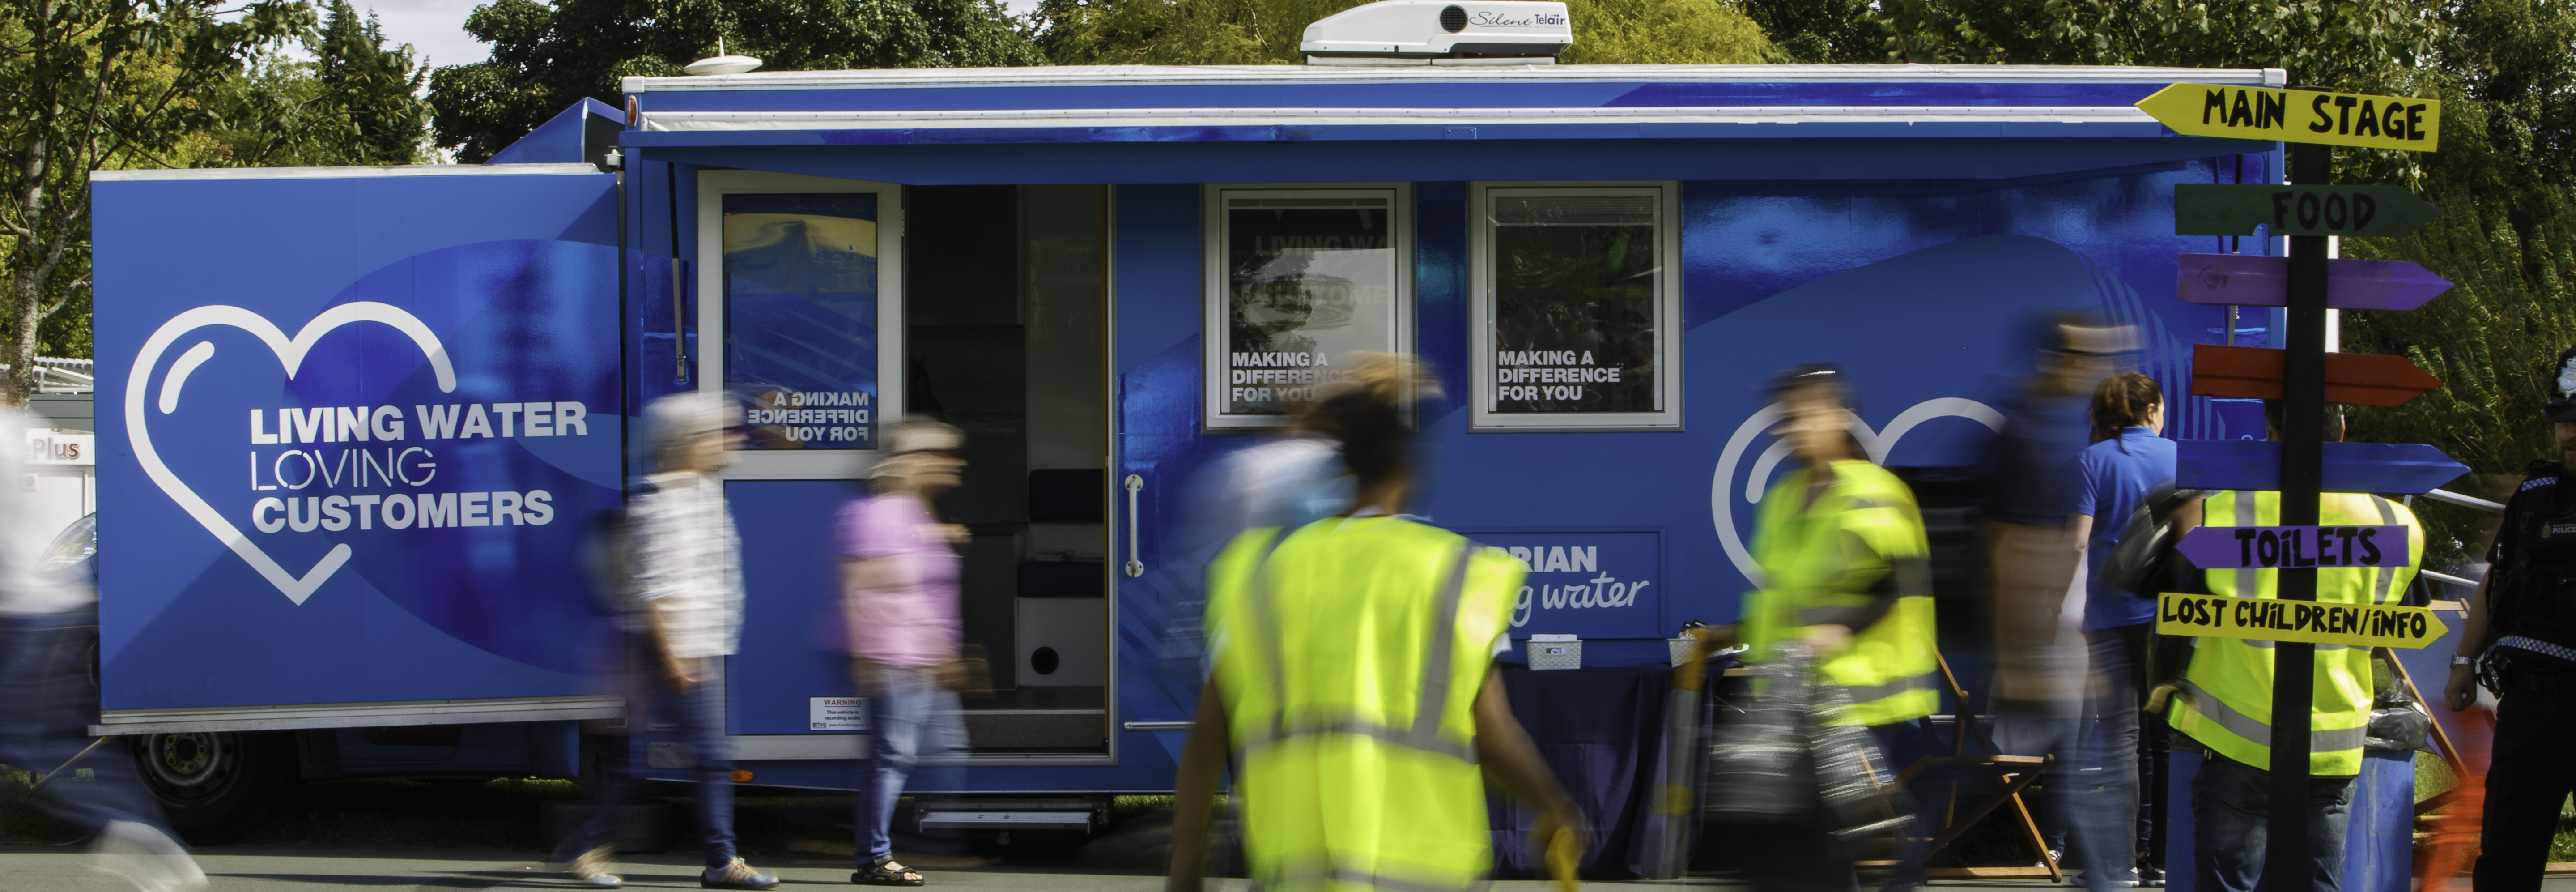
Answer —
2143 559
2398 721
1758 772
1791 759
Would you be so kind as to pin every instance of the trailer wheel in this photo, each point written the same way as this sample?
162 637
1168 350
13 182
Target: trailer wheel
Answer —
213 786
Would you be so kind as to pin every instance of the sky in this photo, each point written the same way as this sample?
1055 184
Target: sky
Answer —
436 28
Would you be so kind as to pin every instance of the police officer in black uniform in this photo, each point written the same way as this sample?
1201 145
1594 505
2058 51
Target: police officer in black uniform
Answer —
2521 643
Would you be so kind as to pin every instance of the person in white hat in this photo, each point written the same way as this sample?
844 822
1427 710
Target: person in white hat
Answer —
899 584
687 576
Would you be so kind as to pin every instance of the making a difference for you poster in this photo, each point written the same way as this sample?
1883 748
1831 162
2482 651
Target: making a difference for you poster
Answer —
353 463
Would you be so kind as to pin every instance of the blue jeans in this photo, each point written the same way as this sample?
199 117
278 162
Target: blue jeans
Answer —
912 722
700 716
2230 805
2120 661
47 703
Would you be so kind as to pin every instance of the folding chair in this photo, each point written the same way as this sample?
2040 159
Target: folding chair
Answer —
2014 773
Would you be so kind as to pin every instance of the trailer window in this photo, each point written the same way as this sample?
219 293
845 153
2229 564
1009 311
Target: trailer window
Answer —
800 331
1302 283
1574 299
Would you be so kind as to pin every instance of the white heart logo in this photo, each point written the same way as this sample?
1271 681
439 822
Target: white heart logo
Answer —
1875 443
290 353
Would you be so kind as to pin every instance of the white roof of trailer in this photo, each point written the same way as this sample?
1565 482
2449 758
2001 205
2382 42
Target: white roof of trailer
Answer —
1140 75
1249 117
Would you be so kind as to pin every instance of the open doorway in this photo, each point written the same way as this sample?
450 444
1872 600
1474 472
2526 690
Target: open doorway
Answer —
1006 305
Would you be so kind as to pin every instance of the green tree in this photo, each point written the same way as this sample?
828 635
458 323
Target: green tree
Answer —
2505 177
2506 185
371 92
1821 31
1267 32
349 100
546 56
2350 44
91 84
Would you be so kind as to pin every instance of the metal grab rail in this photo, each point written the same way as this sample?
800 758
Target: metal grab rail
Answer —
2444 495
2447 578
1135 565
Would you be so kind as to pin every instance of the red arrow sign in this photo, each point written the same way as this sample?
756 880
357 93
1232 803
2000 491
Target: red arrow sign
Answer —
2358 379
2248 280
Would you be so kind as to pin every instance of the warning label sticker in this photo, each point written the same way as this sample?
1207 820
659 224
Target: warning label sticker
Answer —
836 713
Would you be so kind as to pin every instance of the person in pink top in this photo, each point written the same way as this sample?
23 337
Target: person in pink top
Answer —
899 571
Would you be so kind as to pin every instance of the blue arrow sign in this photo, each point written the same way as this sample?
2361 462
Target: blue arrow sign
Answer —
2404 468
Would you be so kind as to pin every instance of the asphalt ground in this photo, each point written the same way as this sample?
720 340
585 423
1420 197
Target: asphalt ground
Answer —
69 869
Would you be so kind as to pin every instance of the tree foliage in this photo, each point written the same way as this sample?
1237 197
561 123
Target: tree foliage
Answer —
547 56
1267 32
1821 31
2505 177
89 84
2338 42
2506 184
120 84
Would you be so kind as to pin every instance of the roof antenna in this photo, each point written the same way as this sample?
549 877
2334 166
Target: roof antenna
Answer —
722 63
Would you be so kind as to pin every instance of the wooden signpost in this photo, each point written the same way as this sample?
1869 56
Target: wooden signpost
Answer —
2386 468
2217 209
2311 117
2353 379
2252 280
2311 122
2271 548
2269 619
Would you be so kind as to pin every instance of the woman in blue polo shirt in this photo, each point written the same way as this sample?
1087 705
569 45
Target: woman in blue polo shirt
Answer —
2127 461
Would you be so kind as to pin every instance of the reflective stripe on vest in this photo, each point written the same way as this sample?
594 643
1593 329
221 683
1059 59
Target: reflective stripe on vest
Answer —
1434 702
1867 693
2251 728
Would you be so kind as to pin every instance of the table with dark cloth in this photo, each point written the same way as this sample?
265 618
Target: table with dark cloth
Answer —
1602 732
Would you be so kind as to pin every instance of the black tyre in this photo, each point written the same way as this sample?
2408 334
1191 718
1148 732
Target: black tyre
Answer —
214 786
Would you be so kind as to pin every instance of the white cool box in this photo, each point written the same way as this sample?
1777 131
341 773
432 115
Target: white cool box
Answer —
1555 652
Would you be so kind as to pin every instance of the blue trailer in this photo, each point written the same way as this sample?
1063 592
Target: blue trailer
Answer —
1111 277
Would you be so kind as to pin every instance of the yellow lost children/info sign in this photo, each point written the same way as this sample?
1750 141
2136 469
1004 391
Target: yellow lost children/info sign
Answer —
2271 619
2309 116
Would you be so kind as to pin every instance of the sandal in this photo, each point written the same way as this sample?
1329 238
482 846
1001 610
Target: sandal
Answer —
886 873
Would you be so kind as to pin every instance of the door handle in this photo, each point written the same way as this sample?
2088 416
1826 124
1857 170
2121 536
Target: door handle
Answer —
1135 484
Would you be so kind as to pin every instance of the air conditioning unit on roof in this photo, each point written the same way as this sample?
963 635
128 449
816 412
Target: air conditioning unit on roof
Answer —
1439 29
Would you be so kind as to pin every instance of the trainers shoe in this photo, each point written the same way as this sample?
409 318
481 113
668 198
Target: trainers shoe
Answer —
148 858
736 875
594 868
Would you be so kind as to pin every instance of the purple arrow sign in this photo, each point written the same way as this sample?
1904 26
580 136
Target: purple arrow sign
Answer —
2267 548
2252 281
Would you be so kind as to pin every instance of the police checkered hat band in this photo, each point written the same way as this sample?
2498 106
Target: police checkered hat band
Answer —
2562 388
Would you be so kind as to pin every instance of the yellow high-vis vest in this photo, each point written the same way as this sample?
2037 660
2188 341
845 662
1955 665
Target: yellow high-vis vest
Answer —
1822 558
1349 656
2224 700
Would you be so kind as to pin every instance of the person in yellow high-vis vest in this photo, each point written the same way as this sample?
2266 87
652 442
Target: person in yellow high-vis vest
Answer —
1353 681
2223 701
1842 551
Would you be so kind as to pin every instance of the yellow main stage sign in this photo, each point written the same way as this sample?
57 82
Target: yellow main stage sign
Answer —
2269 619
2342 119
